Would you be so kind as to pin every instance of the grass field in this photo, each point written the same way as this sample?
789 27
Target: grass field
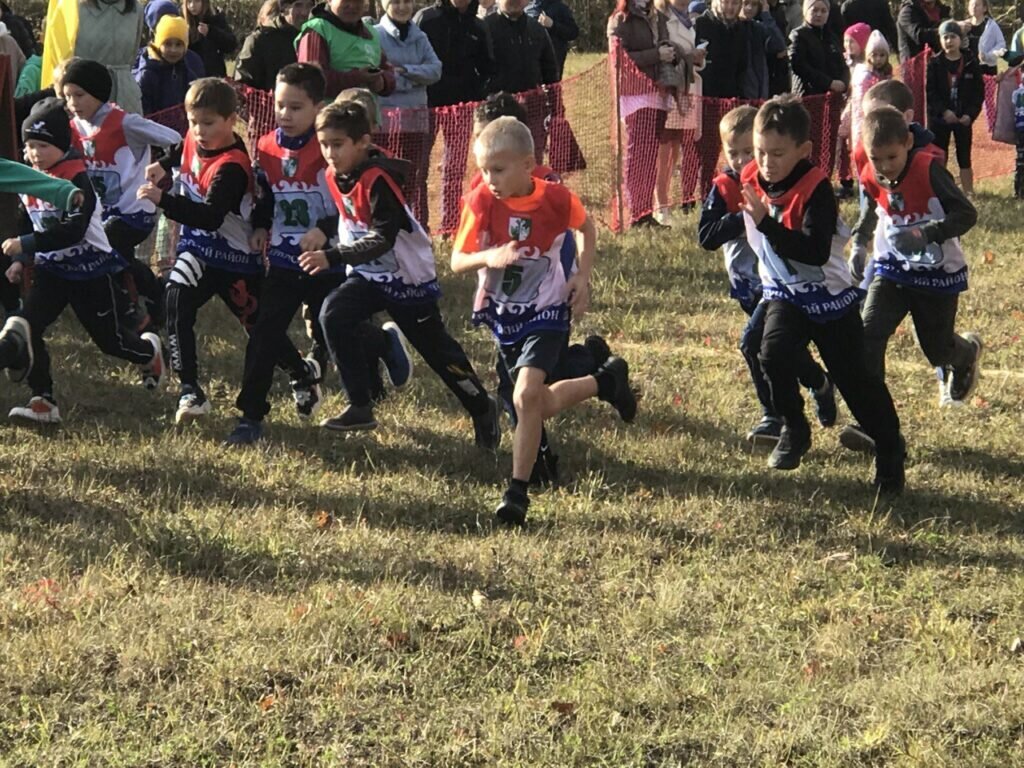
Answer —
346 601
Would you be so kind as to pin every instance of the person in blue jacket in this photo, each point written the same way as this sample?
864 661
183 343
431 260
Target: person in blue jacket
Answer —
556 17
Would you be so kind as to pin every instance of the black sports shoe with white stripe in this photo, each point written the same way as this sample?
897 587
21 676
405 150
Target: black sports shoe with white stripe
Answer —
306 391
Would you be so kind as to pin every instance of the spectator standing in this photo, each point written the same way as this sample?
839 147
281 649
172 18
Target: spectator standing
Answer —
917 26
111 34
767 45
459 40
209 36
642 35
816 55
406 120
556 17
271 47
984 37
347 50
524 60
778 68
166 73
19 29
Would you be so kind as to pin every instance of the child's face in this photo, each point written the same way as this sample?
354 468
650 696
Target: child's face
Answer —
294 110
777 155
83 105
210 129
342 152
400 11
750 9
172 51
298 13
851 47
727 9
877 59
890 159
506 174
977 8
950 44
42 155
817 14
738 149
195 7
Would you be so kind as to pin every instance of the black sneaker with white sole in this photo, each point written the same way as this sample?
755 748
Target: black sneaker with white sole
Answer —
963 378
620 395
512 509
192 405
598 349
397 360
18 333
306 391
352 419
766 432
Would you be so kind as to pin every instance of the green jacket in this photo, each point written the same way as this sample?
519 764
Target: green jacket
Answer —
348 51
28 80
19 179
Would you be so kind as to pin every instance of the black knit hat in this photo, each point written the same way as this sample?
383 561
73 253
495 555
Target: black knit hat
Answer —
91 76
48 121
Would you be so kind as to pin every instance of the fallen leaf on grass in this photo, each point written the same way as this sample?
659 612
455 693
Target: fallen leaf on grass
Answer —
324 520
811 669
981 402
300 610
396 640
989 257
267 702
563 707
836 557
519 642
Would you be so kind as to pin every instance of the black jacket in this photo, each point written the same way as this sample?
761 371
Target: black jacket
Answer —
725 68
266 52
219 42
915 30
816 57
970 92
563 29
522 53
460 42
20 30
874 13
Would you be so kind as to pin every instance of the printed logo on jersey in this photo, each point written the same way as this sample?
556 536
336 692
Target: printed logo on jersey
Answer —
897 202
289 166
519 228
350 207
89 148
197 166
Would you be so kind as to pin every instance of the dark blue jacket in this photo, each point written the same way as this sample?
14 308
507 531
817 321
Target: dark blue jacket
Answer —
563 29
164 85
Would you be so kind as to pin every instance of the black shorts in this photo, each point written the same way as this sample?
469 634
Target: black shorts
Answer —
541 349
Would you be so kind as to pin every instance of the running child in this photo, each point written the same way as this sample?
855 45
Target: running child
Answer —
73 265
721 226
792 223
214 256
389 263
511 233
116 146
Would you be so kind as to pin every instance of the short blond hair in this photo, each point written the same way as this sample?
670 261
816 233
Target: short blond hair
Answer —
505 134
738 121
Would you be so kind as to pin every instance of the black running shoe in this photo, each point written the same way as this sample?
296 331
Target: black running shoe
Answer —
17 332
598 349
306 391
352 419
512 510
790 449
624 399
963 379
854 438
648 222
890 475
487 427
825 403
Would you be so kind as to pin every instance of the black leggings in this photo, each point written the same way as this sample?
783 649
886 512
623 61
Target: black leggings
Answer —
964 135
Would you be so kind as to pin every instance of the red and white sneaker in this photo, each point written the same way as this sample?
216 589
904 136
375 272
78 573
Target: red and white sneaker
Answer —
40 410
154 373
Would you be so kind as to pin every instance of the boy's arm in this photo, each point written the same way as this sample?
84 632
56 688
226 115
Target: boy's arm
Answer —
71 229
960 216
864 229
18 178
466 253
173 157
813 243
388 219
143 134
717 226
225 195
263 208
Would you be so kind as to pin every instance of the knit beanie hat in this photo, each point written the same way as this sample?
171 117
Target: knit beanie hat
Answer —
877 42
157 9
696 7
170 28
859 33
950 27
91 76
48 121
808 3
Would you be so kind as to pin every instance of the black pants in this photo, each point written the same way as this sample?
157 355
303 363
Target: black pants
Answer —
934 317
840 342
352 342
98 304
139 278
809 373
964 135
283 292
191 284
